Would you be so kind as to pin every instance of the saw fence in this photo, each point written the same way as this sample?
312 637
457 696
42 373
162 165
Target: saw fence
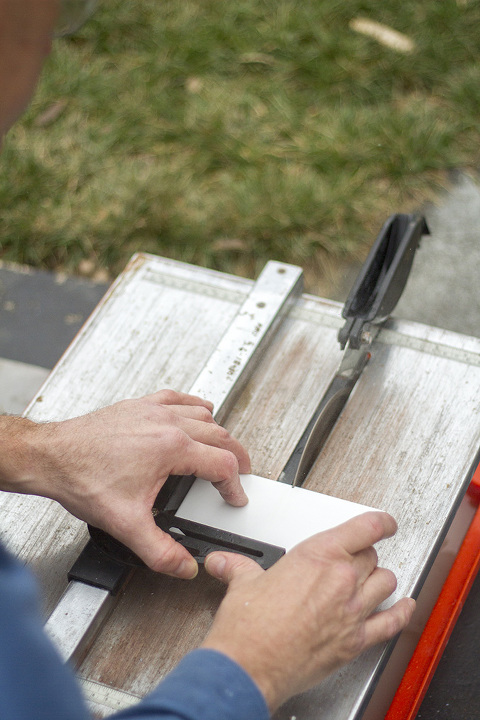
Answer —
406 442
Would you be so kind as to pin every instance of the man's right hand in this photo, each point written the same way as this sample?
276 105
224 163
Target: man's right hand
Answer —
313 611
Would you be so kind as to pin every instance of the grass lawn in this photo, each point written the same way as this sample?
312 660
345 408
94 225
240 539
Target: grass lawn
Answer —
230 133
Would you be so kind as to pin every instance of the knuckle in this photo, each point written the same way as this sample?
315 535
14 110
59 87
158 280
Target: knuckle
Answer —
392 625
229 465
167 558
175 437
167 397
346 576
240 565
204 414
355 644
376 524
223 436
356 606
321 550
328 545
390 580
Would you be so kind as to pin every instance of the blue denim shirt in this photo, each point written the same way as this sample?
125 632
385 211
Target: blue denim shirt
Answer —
36 685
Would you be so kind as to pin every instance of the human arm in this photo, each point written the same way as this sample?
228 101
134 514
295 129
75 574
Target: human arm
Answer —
286 628
36 683
276 633
312 612
108 467
205 685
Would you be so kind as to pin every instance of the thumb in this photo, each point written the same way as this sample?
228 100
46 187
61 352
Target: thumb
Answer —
228 566
158 549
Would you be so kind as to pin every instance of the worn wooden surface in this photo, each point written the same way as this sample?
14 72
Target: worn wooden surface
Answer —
405 443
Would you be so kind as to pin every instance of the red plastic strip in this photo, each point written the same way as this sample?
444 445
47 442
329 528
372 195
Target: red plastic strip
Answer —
420 670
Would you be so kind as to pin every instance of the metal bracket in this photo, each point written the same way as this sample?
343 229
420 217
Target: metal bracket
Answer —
198 539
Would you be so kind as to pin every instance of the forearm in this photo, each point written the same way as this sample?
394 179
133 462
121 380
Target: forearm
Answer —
107 467
24 456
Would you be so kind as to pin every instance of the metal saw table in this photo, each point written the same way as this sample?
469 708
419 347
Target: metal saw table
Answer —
407 442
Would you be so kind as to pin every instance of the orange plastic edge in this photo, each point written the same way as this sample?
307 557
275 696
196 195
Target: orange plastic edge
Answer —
439 627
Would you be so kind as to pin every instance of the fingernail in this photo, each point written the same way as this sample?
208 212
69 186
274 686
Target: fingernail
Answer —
242 498
238 498
188 569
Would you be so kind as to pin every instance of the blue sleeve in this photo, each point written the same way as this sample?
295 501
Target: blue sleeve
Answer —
206 685
35 683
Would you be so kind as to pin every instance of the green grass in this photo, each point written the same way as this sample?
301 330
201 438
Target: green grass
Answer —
229 133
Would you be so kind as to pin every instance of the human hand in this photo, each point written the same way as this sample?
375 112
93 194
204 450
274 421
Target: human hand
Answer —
108 467
312 612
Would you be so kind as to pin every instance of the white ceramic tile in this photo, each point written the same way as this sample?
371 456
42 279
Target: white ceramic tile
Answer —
276 513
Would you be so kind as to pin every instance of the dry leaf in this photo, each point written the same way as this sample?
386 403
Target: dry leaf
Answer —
86 266
194 85
101 275
383 34
229 244
52 113
256 58
73 318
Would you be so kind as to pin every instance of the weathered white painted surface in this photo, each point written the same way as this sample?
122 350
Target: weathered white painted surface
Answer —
406 442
